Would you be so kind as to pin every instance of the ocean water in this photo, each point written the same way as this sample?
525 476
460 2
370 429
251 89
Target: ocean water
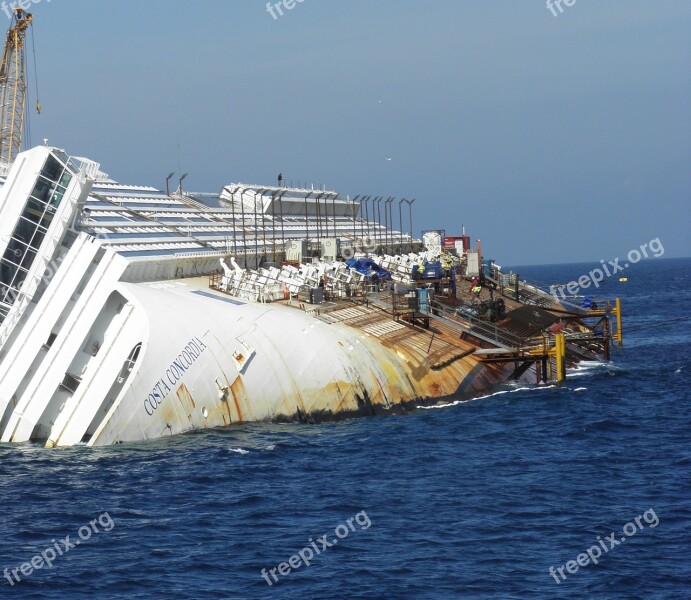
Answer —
472 500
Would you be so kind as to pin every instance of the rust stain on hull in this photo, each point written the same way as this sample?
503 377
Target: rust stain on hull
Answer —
420 364
237 389
391 372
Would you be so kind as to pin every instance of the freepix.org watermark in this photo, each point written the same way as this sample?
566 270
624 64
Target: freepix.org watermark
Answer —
554 5
305 556
275 9
9 7
60 547
607 269
593 554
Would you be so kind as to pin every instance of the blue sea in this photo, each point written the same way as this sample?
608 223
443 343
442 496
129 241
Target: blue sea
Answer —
477 499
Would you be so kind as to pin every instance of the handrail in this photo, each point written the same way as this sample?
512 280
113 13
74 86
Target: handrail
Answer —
525 283
489 330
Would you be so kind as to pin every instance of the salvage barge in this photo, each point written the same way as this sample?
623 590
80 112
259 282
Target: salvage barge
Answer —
130 313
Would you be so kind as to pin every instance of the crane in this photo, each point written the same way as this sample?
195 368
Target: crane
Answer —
13 83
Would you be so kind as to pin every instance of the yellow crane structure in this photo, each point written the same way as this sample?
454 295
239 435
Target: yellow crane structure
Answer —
13 83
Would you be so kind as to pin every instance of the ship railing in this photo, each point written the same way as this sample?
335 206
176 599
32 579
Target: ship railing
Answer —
485 330
532 291
509 285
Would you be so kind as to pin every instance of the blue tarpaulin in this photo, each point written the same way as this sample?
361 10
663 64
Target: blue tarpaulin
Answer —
368 267
589 303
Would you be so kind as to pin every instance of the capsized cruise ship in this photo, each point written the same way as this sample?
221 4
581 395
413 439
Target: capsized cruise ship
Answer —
130 313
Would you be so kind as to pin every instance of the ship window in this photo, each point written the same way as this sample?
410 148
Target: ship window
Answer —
131 361
134 355
41 190
31 229
52 169
129 364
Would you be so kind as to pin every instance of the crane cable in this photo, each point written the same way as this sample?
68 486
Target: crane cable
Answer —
26 115
27 128
33 48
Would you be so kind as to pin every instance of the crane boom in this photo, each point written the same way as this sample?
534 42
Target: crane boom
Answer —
13 87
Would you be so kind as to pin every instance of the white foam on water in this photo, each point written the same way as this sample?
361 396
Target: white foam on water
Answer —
239 450
499 393
580 389
587 368
456 403
534 388
590 363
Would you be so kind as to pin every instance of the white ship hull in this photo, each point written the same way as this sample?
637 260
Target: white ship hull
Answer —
207 362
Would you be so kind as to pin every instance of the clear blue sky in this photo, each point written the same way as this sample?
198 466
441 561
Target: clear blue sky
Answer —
553 139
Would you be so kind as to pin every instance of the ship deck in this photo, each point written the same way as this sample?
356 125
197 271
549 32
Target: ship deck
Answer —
429 348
